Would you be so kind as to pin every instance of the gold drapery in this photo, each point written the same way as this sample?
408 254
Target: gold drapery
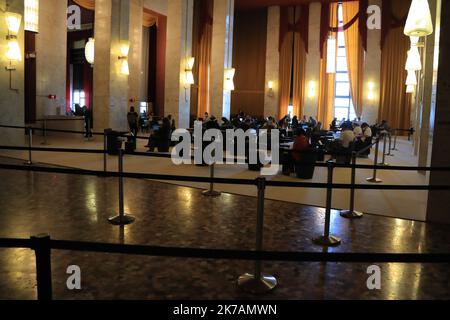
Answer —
149 18
325 111
292 59
87 4
355 55
395 106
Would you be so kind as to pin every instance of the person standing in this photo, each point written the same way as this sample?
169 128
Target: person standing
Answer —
133 118
87 122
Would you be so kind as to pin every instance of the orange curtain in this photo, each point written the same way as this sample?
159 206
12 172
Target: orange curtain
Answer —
149 19
355 55
87 4
285 74
325 111
395 106
292 59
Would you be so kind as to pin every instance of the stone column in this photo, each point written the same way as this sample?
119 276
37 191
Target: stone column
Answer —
222 56
11 101
134 60
372 73
313 61
51 58
439 201
179 48
112 25
423 130
272 61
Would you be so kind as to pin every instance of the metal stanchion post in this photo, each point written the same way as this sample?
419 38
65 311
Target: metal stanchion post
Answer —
383 162
374 178
390 154
122 218
327 239
30 145
258 282
351 213
41 247
105 158
395 143
211 192
44 143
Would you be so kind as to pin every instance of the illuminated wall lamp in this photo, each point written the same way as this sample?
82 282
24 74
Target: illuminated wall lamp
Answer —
13 54
411 79
419 22
189 75
124 51
31 18
228 84
410 89
312 89
270 86
371 92
89 51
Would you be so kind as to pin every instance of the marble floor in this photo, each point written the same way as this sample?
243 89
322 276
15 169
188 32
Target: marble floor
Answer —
398 204
76 208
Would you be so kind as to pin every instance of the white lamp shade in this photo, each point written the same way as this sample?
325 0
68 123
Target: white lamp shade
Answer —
124 48
411 79
229 79
311 89
189 78
190 63
410 89
414 62
270 85
13 21
331 55
14 53
31 18
89 51
419 22
125 70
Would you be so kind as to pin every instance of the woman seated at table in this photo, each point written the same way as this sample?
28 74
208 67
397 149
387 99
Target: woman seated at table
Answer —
301 143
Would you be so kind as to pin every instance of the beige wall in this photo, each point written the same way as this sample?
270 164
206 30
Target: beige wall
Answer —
160 6
51 57
11 102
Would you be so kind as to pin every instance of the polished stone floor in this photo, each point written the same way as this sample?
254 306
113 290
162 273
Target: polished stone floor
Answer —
76 208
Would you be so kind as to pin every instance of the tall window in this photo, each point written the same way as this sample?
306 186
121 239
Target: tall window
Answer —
343 105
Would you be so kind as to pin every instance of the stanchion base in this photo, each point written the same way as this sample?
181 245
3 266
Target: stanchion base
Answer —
122 220
211 193
28 163
330 241
249 283
351 214
374 180
385 164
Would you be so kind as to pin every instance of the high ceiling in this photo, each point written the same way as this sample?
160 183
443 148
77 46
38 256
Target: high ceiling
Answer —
248 4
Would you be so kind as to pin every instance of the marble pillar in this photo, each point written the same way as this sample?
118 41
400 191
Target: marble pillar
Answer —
134 59
179 49
423 128
111 86
439 201
313 62
51 58
272 61
372 73
11 101
221 57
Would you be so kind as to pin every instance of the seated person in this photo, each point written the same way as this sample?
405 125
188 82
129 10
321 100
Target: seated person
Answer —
364 140
347 137
301 143
160 138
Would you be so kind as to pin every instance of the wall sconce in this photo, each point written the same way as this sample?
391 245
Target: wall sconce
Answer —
311 89
419 21
14 54
124 51
229 79
189 80
89 51
31 18
410 89
331 54
411 79
270 86
371 92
